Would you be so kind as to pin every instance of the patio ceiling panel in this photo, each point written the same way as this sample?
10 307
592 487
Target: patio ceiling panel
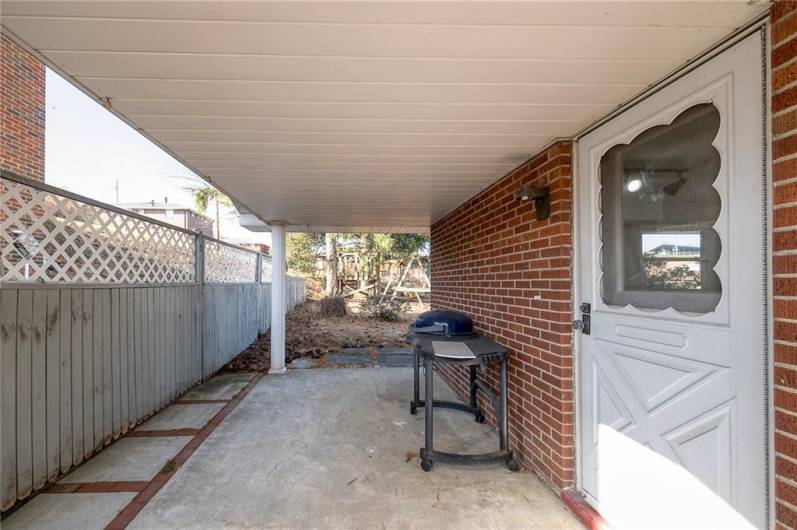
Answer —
365 115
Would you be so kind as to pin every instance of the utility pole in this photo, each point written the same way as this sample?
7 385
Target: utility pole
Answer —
116 187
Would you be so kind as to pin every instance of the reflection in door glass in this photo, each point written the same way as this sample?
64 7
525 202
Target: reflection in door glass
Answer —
659 207
670 260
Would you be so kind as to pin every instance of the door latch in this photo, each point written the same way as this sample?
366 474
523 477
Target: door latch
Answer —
583 325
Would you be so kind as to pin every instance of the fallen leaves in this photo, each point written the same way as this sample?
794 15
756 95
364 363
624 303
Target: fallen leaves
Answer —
309 335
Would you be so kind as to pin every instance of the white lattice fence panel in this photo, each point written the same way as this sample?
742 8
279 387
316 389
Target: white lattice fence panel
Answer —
51 238
265 270
227 264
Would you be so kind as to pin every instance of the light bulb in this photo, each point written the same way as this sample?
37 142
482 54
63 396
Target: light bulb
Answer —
634 185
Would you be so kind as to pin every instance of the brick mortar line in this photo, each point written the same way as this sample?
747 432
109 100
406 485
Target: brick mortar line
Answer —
785 411
790 156
788 458
159 433
532 325
783 387
200 401
786 181
449 288
786 434
789 38
790 132
784 65
787 389
532 403
781 20
777 114
134 507
473 254
787 86
786 480
102 486
786 503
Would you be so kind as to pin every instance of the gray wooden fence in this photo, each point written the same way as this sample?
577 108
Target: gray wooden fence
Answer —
235 314
83 363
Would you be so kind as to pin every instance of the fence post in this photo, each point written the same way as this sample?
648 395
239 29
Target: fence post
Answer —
199 264
199 258
259 268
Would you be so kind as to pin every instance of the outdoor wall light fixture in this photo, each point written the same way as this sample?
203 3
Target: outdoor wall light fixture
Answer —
541 195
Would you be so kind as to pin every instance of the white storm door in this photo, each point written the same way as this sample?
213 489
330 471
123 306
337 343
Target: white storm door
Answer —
671 240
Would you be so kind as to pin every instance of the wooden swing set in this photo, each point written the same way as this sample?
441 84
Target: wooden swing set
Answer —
400 288
351 279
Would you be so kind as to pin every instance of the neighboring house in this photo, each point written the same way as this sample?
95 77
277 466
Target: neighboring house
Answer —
175 214
669 250
672 256
257 247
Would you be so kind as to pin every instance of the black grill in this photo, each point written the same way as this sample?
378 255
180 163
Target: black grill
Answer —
444 326
442 322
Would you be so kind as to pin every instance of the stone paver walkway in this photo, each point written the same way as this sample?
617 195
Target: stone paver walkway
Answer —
323 448
93 495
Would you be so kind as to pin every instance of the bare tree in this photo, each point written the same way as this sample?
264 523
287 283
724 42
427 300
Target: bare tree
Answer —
331 242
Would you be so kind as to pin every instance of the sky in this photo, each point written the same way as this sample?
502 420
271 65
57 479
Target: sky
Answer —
88 149
681 239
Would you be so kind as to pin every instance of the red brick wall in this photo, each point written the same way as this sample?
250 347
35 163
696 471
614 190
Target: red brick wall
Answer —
493 260
22 111
784 260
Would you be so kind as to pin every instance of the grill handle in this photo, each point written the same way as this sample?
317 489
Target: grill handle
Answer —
437 328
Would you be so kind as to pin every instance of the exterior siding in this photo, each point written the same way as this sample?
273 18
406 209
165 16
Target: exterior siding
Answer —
783 36
492 259
22 111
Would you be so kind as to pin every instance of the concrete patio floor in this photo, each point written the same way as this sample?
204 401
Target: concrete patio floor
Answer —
320 448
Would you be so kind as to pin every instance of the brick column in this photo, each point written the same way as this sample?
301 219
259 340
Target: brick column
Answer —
784 258
22 111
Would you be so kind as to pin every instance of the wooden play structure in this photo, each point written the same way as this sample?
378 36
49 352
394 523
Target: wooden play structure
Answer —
354 276
415 282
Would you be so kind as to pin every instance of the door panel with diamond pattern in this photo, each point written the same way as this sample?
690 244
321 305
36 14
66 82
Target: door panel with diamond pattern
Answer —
671 377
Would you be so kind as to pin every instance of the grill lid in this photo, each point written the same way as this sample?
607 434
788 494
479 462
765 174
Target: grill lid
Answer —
443 322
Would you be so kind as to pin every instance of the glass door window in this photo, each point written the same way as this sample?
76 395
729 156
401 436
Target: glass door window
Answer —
659 206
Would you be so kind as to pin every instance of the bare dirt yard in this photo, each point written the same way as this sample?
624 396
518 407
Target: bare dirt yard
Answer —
311 335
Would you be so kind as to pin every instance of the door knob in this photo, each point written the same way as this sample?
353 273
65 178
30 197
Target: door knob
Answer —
583 325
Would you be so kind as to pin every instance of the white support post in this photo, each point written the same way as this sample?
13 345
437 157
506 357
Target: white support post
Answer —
279 282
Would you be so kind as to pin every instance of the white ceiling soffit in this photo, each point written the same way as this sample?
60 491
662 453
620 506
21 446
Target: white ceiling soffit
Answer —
357 116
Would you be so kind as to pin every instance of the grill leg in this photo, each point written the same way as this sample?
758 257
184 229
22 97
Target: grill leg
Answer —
473 386
429 408
502 420
426 451
417 375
